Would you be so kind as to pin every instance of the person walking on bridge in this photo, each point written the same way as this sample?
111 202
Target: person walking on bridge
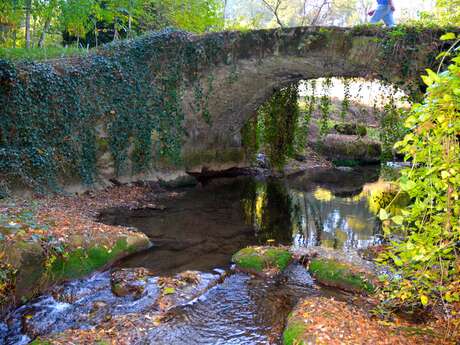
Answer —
384 11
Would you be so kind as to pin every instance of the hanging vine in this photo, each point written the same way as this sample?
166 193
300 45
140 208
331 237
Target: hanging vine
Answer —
325 107
280 118
303 128
346 100
47 129
391 125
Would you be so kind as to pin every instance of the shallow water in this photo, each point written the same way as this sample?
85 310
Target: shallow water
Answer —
199 230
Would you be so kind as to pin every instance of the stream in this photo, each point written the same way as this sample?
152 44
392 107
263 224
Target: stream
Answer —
199 230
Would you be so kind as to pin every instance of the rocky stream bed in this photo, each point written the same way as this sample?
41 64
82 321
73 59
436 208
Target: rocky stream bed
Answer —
235 261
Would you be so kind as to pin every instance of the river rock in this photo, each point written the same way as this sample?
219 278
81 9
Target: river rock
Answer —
349 148
342 270
184 287
262 260
131 282
340 275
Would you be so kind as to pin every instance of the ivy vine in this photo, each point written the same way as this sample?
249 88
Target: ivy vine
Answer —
51 114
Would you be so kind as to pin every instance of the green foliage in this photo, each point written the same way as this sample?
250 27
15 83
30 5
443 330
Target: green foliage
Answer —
426 261
303 126
279 116
391 127
48 131
100 21
406 44
250 135
39 54
325 107
346 99
447 12
196 15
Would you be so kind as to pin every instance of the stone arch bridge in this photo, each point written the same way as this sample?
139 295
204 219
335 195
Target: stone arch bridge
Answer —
191 93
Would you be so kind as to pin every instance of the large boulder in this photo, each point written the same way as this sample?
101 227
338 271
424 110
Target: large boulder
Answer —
350 129
341 148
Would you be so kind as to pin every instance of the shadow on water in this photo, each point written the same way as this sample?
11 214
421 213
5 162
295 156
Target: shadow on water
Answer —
202 227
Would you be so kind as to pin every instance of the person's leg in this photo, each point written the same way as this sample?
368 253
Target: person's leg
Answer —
379 13
389 19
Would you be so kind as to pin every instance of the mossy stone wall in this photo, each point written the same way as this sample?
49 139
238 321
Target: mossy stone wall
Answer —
139 106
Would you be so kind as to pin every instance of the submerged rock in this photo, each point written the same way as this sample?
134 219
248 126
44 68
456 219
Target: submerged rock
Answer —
266 260
126 282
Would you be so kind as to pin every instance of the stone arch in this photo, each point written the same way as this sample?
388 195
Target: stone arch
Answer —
197 90
262 61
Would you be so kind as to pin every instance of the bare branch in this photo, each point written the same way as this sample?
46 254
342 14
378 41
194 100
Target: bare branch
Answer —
274 10
315 19
304 12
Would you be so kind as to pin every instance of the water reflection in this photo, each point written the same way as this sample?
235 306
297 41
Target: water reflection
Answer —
201 229
334 217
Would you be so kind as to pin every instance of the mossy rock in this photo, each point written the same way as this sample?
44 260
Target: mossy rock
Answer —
340 275
350 129
295 334
258 259
83 261
390 198
337 147
38 341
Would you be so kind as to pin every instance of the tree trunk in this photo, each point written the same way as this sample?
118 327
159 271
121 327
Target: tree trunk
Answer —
130 20
225 10
14 38
46 27
28 13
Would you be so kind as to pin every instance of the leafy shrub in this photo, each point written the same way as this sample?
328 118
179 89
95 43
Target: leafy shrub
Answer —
426 262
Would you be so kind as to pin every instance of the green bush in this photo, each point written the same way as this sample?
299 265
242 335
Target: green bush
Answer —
426 262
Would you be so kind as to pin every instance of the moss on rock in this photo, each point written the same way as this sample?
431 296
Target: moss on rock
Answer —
32 270
350 129
340 275
258 259
350 147
388 197
294 333
83 261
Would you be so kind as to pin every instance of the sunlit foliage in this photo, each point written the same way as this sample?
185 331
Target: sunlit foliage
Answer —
426 261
